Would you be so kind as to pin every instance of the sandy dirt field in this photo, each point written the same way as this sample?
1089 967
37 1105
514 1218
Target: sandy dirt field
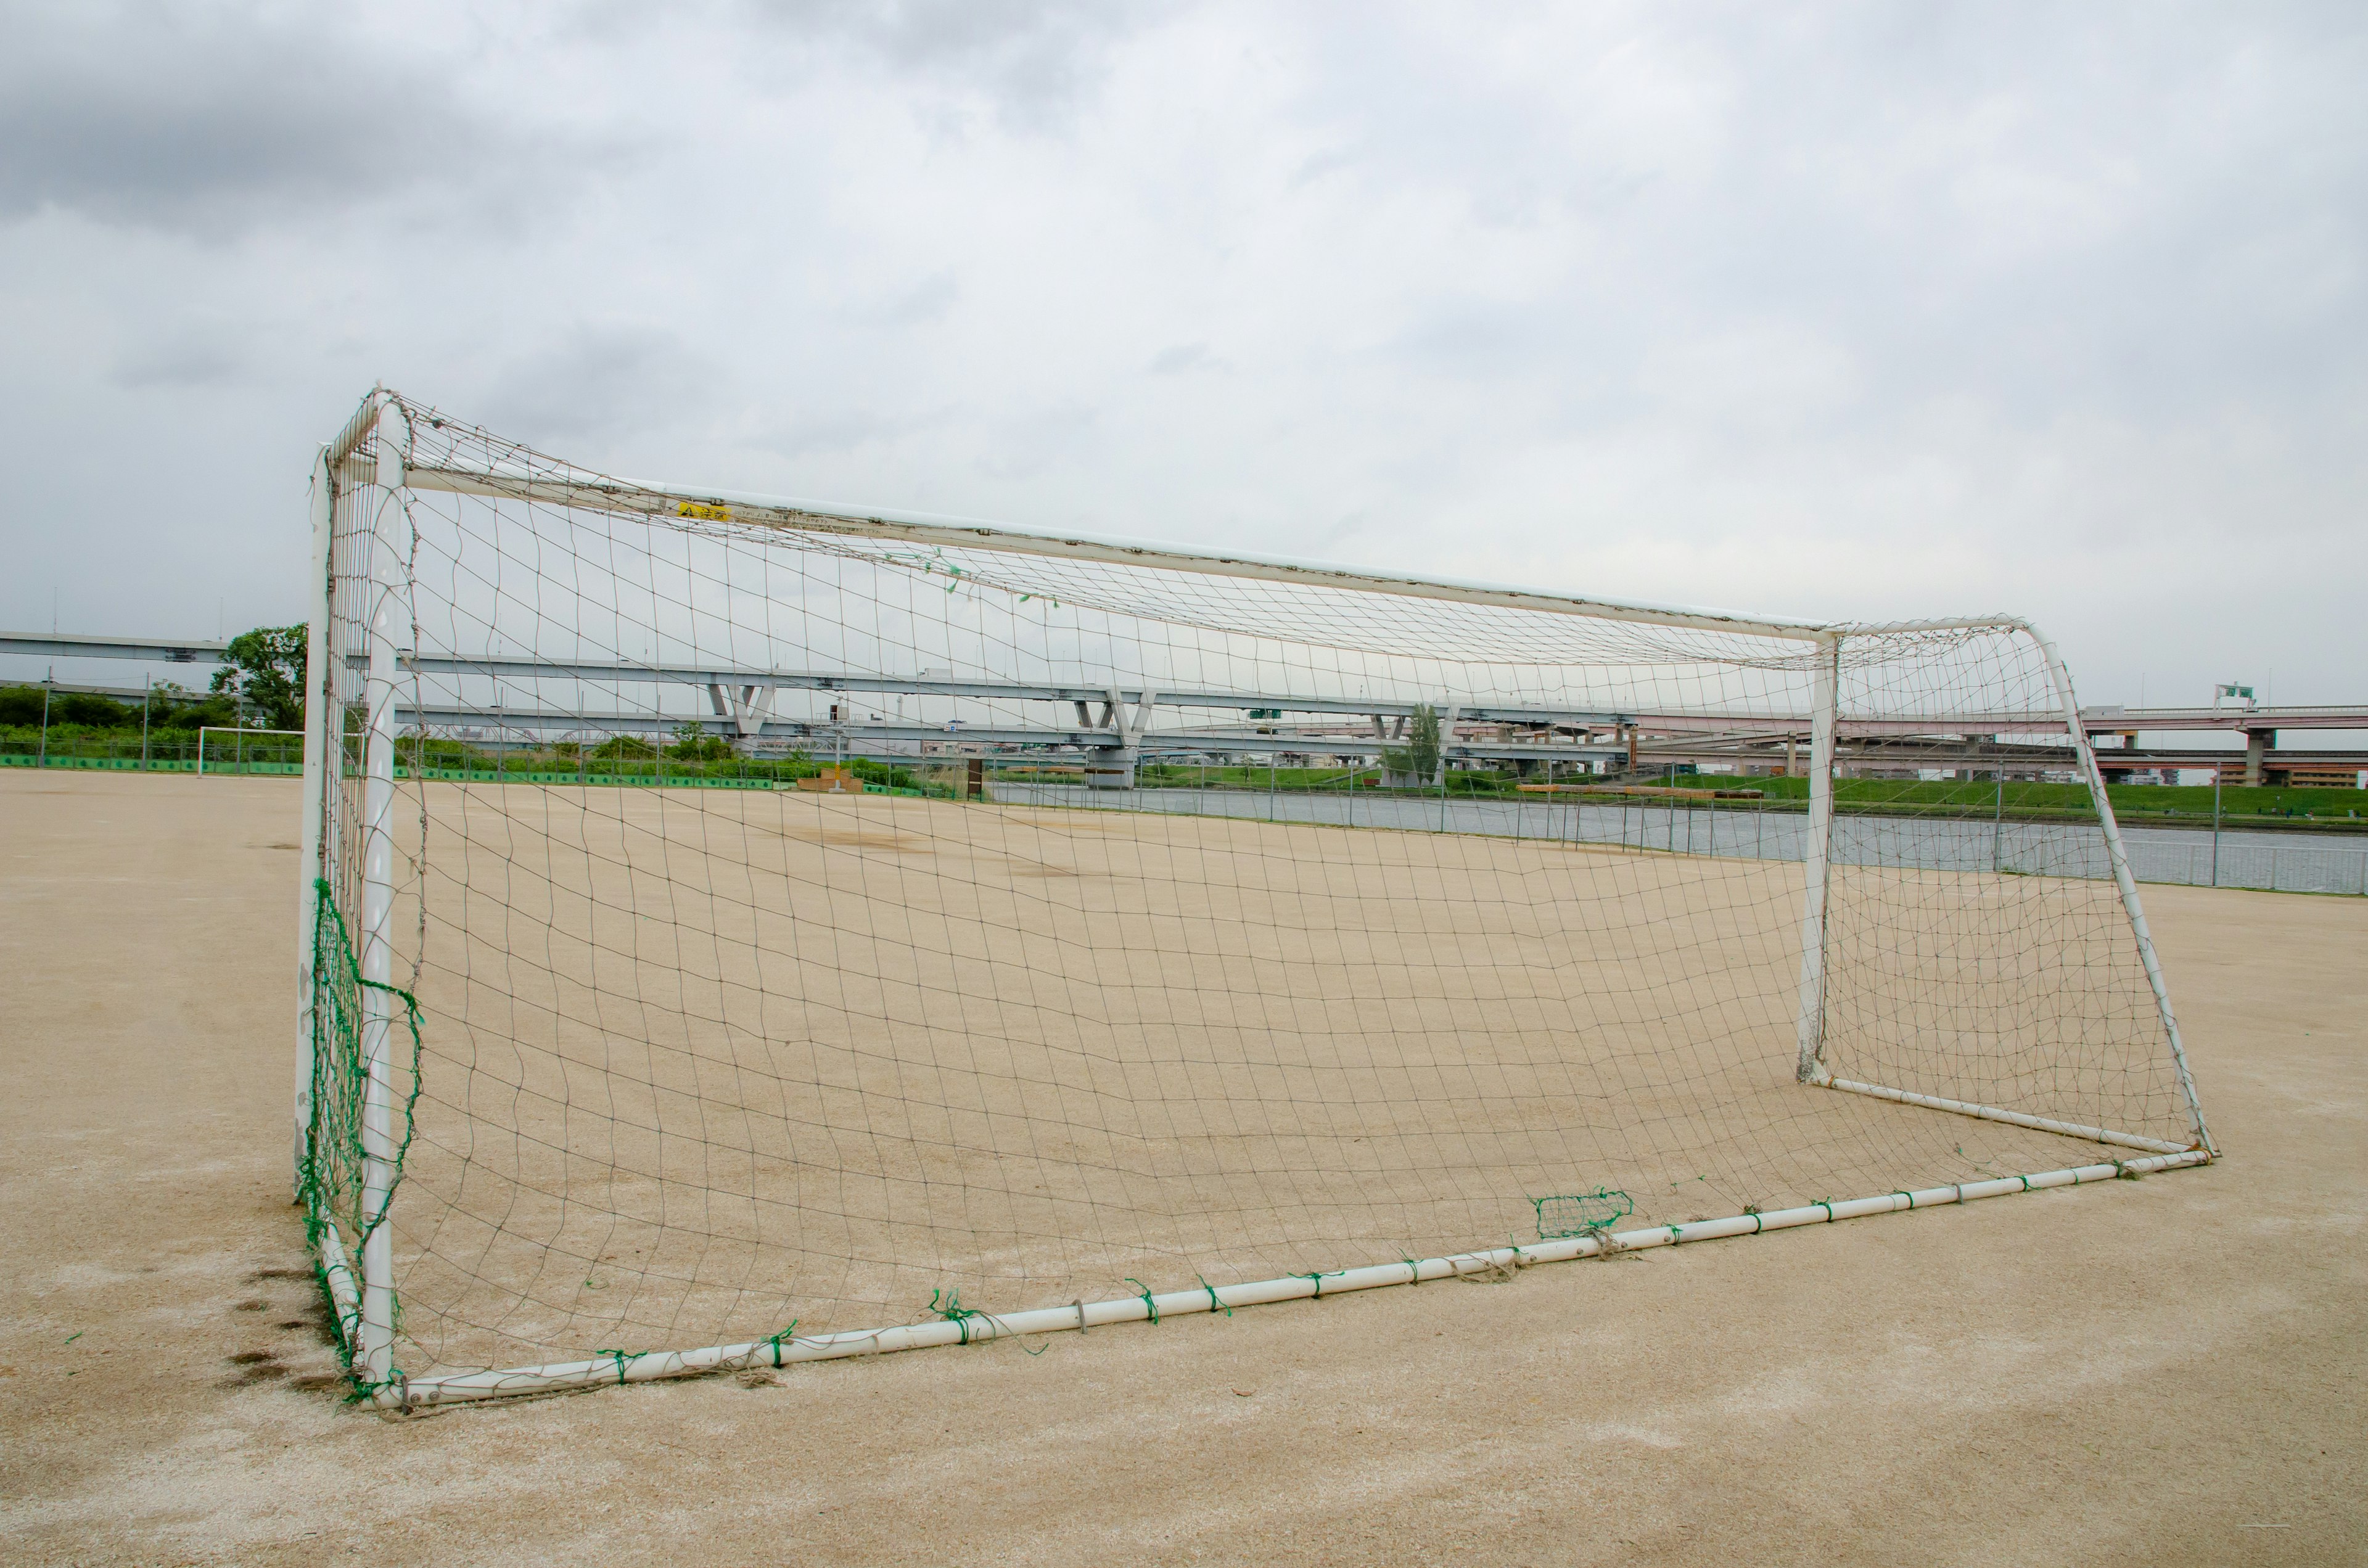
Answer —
2172 1370
697 1065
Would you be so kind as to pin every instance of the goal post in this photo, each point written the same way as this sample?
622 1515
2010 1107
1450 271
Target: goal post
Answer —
740 930
1817 861
322 716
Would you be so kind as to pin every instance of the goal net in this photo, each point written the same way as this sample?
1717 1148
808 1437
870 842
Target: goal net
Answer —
747 931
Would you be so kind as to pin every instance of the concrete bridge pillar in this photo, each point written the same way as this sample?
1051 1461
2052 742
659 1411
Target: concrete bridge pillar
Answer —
2116 775
1110 769
2259 744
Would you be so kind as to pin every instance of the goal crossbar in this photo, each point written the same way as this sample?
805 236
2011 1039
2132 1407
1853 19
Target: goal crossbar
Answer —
646 498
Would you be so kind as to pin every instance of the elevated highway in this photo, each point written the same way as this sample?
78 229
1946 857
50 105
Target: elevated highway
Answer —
1118 719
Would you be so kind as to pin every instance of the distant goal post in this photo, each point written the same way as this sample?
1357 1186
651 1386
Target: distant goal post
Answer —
269 747
950 982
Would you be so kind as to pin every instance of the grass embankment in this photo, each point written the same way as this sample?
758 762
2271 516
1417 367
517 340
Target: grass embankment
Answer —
708 757
629 762
2171 805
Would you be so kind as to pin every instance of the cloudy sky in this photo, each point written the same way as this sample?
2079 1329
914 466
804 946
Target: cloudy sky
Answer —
1844 309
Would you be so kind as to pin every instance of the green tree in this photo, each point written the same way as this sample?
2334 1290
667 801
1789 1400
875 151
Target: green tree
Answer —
20 705
191 713
1419 756
266 668
85 708
693 744
24 704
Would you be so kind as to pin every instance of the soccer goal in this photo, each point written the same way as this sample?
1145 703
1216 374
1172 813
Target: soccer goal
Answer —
740 931
223 748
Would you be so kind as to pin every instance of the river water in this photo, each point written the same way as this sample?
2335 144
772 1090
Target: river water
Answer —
2288 862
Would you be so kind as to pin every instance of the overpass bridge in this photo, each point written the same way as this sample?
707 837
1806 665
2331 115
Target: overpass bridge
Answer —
1113 724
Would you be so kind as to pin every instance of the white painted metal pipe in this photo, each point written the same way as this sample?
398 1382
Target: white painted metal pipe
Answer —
356 429
1816 865
2119 858
649 498
345 1291
320 713
2117 853
2013 1118
385 619
650 1366
1998 622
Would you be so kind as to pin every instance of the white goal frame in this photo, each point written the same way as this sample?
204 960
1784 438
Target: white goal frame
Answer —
205 730
361 1287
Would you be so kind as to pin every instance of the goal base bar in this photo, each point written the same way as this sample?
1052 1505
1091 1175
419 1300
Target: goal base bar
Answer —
2012 1117
970 1328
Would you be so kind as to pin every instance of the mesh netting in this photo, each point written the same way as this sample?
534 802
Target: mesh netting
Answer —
808 925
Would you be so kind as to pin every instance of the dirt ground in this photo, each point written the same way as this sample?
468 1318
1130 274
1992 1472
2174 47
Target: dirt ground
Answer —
2172 1370
697 1065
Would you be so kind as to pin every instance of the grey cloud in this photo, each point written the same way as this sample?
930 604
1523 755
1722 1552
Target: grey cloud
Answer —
1485 339
1027 445
1322 164
210 123
930 299
1183 357
2043 209
194 357
838 431
1032 58
1774 306
607 379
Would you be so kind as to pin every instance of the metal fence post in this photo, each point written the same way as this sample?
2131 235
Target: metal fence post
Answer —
1998 829
2216 824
